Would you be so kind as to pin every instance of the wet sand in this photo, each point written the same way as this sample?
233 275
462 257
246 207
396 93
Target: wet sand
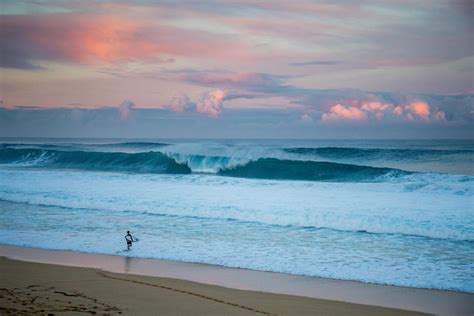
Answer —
177 288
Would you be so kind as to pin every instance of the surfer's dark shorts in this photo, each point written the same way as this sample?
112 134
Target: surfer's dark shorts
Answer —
129 243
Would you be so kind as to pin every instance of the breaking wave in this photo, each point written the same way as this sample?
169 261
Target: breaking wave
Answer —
167 163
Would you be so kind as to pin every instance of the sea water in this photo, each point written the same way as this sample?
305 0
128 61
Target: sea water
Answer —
388 212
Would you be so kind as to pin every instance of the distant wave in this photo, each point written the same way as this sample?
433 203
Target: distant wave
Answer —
373 153
386 154
59 146
161 163
131 144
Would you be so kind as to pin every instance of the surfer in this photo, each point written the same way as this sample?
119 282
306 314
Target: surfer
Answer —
129 239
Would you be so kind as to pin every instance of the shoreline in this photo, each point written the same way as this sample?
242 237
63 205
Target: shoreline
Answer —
441 302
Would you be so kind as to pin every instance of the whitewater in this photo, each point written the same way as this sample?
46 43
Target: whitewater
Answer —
388 212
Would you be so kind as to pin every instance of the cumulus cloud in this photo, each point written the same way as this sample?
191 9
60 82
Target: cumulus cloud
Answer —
341 112
125 109
211 103
416 109
358 110
419 108
398 110
180 103
375 106
403 110
376 109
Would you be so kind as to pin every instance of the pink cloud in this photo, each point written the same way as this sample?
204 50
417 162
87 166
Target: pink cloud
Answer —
375 106
420 108
357 110
414 109
125 109
211 103
340 112
76 38
180 103
398 110
360 110
92 39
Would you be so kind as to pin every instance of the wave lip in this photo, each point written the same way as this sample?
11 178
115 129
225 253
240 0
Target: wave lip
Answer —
207 164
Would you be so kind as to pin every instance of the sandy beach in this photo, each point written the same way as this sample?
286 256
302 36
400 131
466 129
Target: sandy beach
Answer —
29 288
71 288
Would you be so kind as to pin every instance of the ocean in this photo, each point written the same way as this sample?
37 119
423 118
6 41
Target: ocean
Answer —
397 212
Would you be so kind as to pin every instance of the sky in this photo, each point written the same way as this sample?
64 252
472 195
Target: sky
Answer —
237 69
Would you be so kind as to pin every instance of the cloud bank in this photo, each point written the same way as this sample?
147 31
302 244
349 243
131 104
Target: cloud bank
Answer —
232 123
